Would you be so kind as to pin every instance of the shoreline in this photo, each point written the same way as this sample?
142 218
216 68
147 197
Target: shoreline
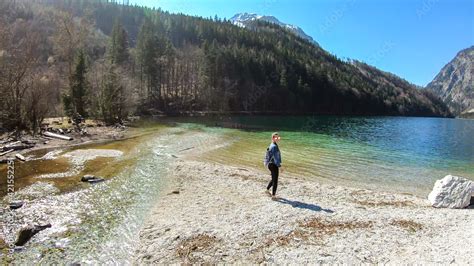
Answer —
279 113
95 135
104 134
216 213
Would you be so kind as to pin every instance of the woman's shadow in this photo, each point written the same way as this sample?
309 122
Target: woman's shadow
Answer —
302 205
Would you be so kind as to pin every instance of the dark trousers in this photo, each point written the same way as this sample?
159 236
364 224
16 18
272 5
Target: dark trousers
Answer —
274 182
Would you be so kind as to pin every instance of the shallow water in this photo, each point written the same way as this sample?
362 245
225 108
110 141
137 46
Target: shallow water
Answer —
98 223
85 217
389 153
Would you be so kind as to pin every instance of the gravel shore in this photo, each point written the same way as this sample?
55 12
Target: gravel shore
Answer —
214 213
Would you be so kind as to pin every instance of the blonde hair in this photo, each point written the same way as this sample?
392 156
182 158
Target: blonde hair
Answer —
275 134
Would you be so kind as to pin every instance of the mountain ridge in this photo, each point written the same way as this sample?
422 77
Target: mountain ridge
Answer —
454 84
244 19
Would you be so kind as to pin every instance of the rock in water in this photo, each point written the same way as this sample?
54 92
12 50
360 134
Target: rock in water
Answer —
92 179
452 192
28 232
86 178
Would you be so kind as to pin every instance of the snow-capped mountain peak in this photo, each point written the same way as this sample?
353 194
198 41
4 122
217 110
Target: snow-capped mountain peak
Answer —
243 19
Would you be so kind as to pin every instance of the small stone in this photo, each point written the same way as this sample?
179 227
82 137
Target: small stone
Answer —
91 179
86 178
16 205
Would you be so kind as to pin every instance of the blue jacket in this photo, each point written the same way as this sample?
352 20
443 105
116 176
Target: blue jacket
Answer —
275 156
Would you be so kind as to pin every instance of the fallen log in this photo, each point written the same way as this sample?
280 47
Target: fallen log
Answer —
4 148
58 136
5 152
13 144
17 146
30 142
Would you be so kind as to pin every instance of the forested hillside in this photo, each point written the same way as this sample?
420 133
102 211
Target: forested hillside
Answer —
106 60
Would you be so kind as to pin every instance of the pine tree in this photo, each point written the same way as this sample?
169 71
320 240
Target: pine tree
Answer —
152 49
283 79
147 55
77 102
112 97
118 46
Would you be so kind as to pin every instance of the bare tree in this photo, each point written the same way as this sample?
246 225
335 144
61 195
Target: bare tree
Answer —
38 101
70 36
19 58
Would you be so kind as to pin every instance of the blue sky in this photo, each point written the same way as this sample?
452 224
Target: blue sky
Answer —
411 38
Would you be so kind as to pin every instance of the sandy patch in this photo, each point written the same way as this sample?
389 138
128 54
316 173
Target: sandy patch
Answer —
78 158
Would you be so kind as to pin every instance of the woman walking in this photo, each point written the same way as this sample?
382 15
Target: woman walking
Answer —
273 162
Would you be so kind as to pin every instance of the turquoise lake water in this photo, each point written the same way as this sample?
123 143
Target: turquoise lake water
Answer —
403 154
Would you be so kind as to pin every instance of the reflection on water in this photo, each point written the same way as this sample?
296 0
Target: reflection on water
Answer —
439 137
433 137
390 153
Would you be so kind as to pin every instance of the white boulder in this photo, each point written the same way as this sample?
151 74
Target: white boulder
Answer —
452 192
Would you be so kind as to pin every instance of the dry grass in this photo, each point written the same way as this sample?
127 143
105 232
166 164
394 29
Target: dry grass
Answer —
314 230
358 192
258 252
62 122
408 225
200 243
3 244
320 227
404 203
359 195
286 239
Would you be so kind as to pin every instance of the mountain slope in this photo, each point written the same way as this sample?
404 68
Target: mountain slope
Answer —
183 63
246 20
403 91
455 82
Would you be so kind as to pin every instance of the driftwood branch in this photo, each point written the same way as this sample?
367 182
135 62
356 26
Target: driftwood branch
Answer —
6 152
58 136
20 157
17 145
